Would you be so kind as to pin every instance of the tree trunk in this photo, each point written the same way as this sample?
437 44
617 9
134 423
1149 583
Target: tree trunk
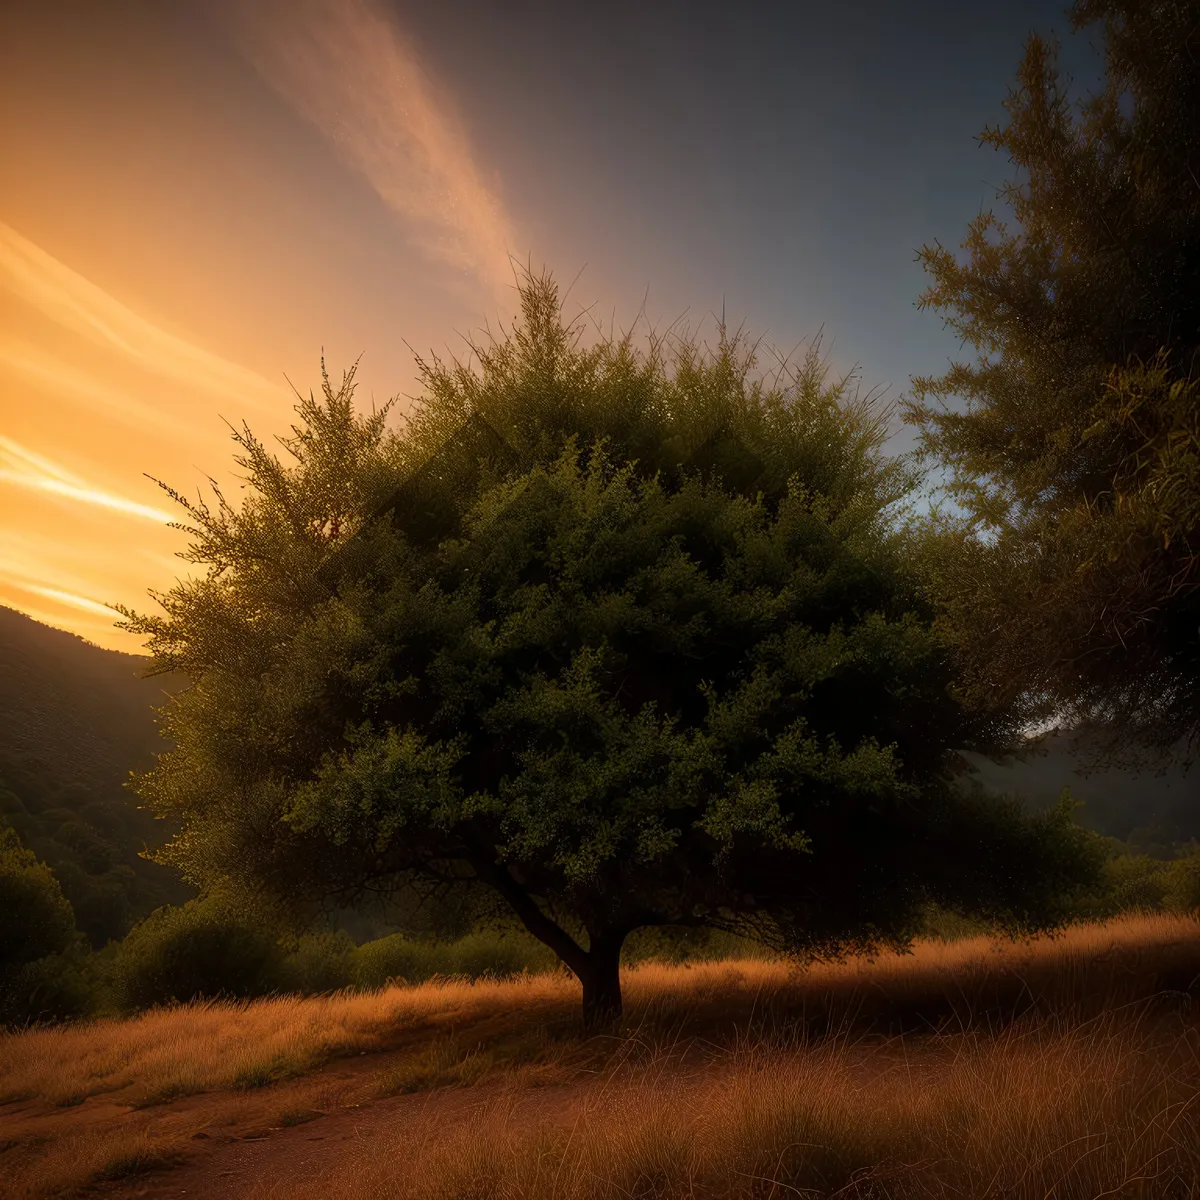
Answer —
600 974
598 968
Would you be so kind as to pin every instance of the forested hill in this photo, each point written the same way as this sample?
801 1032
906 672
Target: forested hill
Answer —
86 712
74 721
1148 808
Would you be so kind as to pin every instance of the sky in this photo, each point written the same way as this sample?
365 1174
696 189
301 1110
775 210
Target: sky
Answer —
200 198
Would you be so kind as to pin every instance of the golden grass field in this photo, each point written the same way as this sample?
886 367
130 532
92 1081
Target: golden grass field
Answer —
1060 1068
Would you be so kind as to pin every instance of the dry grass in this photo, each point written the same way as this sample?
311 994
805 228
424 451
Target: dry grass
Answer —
203 1047
1041 1109
179 1051
1045 1052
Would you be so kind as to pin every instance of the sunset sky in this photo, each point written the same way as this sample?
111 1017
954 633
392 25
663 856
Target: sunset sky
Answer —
198 196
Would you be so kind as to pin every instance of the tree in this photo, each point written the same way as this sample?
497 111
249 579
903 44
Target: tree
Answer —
37 919
1072 579
618 645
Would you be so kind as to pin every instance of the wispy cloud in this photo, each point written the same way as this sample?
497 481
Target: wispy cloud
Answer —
68 598
39 570
76 578
83 389
80 306
22 467
348 69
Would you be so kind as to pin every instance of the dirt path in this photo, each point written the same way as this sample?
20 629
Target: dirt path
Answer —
280 1163
284 1159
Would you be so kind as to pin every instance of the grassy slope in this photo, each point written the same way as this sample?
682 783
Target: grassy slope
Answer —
1075 1060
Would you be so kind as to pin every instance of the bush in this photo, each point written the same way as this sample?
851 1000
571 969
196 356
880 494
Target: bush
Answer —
477 955
58 987
494 955
498 954
675 944
946 925
202 949
319 962
36 919
1181 880
1134 882
389 958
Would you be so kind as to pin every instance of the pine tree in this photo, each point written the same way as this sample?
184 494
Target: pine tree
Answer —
1072 582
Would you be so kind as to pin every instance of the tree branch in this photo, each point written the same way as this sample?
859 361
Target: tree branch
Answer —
548 932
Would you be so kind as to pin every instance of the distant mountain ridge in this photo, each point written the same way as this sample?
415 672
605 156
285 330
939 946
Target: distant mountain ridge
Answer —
62 694
75 719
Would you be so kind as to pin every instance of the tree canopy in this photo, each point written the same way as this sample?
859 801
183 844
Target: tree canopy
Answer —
1073 583
619 645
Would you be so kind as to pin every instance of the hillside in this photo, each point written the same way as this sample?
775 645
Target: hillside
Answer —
1147 808
74 720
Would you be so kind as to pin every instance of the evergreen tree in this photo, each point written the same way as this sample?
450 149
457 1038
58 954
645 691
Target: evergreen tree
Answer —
1072 584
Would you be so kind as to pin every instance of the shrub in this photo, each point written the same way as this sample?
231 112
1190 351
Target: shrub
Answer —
35 917
477 955
495 955
388 958
58 987
202 949
676 944
319 962
1181 880
1134 882
946 925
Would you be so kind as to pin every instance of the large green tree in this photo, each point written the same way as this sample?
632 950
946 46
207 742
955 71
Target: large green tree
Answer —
1073 583
618 644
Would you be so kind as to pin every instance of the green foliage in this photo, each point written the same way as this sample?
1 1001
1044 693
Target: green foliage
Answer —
485 954
59 987
1182 882
1132 881
35 918
318 962
624 647
946 925
1072 584
203 949
92 847
1059 863
46 972
682 945
394 957
1135 882
475 956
